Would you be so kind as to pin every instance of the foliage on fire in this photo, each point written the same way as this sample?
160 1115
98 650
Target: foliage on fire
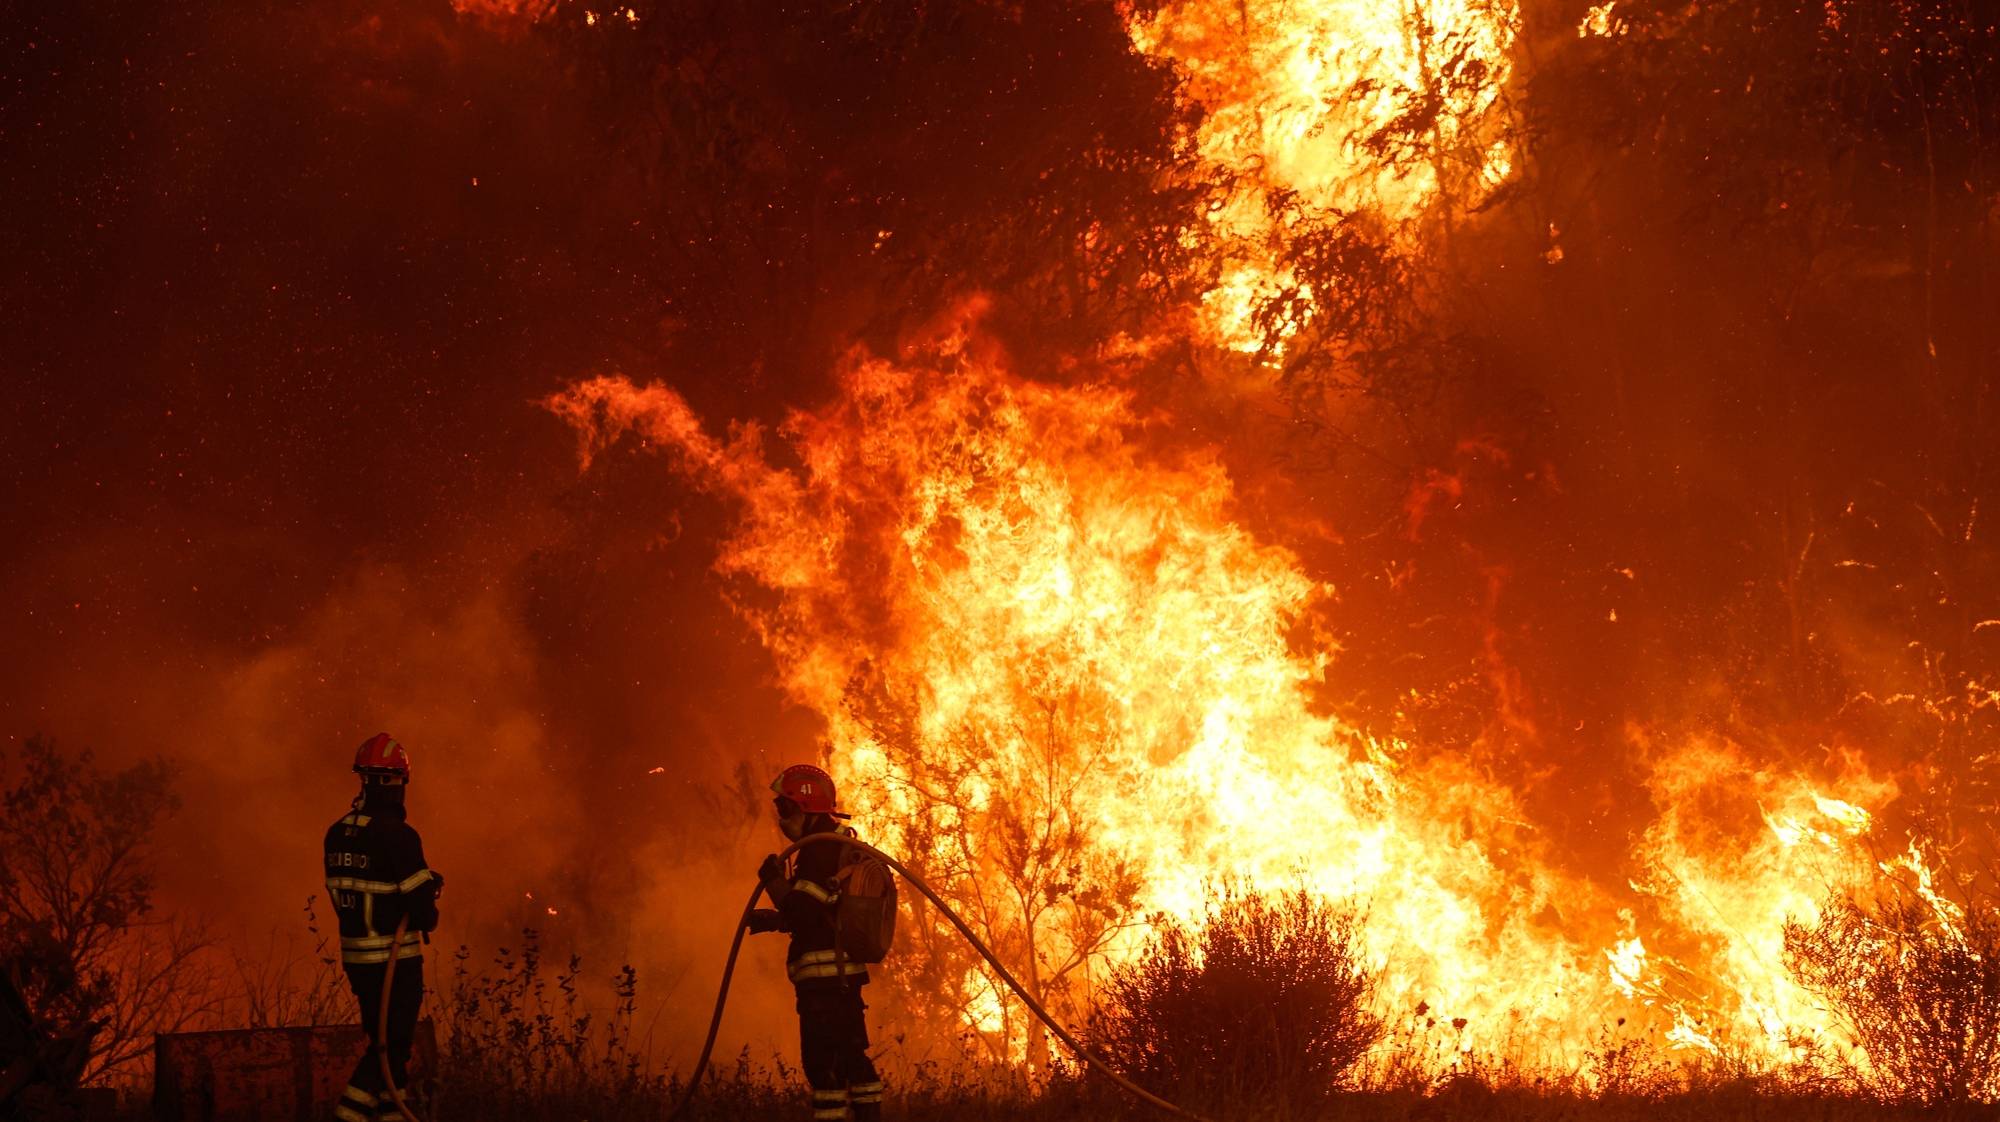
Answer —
1454 533
982 581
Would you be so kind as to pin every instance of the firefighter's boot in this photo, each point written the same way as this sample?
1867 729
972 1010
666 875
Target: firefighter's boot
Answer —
866 1098
829 1105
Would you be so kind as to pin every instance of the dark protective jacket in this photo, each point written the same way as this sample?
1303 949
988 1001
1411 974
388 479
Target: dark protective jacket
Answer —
375 876
807 912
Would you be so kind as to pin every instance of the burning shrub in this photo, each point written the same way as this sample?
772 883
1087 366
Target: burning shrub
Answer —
1917 982
1266 998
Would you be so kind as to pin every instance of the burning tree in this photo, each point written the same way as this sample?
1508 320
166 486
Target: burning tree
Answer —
1338 133
998 819
1058 673
1050 646
1717 456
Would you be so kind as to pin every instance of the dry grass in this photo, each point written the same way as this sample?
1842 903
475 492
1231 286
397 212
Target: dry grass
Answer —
1257 1015
747 1095
743 1091
517 1040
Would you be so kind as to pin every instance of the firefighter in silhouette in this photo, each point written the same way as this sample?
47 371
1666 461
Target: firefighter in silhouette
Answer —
833 1030
376 877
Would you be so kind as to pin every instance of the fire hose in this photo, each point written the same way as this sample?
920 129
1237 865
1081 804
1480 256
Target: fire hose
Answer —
1076 1046
382 1024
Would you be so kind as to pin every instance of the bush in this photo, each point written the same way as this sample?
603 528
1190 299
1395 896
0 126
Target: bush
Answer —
1917 982
514 1049
1265 1002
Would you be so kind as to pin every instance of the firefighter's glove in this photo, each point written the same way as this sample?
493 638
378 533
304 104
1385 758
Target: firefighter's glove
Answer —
771 874
772 871
765 919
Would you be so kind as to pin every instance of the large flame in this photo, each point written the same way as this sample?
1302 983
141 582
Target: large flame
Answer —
1387 109
1056 670
1734 852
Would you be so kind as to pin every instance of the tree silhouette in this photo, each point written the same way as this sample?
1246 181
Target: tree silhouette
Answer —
76 896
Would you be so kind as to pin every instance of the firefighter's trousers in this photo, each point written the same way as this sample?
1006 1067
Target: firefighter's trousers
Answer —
833 1049
365 1099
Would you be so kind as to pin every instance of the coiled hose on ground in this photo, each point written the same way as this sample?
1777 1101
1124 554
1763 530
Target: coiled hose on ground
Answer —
1063 1034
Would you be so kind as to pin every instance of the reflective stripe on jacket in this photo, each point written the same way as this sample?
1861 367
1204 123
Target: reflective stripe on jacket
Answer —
376 877
808 911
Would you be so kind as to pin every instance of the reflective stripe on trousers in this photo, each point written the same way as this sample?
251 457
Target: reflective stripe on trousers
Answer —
362 949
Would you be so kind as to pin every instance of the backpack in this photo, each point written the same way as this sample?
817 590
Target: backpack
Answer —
864 916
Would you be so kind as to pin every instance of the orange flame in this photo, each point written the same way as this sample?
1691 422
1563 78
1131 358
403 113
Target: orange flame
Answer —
1351 105
1045 597
1728 887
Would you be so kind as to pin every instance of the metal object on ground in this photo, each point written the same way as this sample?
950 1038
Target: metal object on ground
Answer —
264 1075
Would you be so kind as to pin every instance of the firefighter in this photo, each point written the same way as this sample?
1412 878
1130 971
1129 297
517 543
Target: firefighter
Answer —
833 1029
376 876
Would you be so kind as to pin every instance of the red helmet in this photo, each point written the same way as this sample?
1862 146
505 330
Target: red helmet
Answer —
382 755
807 786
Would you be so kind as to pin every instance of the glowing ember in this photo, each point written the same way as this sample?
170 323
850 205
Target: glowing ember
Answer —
1600 21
